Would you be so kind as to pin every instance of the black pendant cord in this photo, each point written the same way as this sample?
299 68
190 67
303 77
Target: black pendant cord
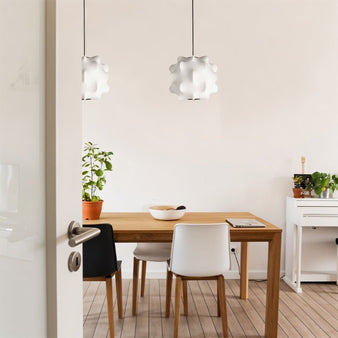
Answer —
192 29
84 27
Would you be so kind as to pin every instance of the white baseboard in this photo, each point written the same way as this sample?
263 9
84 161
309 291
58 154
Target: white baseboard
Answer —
128 274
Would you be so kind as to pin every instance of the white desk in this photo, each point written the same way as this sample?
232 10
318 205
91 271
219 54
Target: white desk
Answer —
300 213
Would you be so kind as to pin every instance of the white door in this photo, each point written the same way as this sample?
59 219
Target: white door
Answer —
40 167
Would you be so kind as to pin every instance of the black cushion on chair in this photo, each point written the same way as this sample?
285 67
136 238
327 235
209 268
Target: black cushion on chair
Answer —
99 253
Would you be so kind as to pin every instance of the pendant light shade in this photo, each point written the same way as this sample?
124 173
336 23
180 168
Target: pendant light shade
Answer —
94 73
94 78
193 77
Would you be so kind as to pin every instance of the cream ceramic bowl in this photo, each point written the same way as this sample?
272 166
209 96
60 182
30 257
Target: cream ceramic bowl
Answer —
166 212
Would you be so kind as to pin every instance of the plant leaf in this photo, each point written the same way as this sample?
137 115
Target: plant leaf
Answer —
108 165
99 172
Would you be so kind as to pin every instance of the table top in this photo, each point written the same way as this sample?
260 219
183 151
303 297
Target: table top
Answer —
140 226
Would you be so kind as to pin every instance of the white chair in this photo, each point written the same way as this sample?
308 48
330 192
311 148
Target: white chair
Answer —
199 252
154 252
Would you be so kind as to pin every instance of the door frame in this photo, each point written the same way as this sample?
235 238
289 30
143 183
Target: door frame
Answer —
63 135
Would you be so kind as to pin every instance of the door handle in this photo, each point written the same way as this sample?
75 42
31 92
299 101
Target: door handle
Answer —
77 234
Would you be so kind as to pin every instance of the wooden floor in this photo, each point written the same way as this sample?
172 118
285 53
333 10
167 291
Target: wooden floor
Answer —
314 313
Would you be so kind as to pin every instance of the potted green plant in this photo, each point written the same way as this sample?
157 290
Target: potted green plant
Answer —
308 188
297 190
95 163
323 183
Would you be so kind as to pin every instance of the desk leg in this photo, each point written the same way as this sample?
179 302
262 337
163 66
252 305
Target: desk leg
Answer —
299 258
244 281
294 254
272 291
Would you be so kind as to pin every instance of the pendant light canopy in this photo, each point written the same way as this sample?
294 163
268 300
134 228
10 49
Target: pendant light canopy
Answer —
193 77
94 73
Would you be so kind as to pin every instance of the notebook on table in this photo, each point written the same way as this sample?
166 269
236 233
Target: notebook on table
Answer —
245 223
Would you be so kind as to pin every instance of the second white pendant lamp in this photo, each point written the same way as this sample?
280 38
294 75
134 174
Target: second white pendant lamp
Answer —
193 77
94 72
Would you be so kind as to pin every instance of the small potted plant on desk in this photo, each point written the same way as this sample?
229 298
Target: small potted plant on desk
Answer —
323 183
308 184
95 163
297 190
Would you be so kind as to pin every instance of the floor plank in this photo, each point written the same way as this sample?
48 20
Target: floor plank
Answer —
167 323
258 297
235 328
254 310
202 311
89 298
119 323
314 313
155 323
194 320
94 312
293 317
211 304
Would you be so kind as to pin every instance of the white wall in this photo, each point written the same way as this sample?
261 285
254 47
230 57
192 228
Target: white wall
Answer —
277 101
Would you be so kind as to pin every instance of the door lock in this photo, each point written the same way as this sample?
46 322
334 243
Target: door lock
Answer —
74 261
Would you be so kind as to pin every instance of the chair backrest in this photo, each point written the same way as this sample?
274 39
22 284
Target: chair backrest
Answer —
200 250
99 253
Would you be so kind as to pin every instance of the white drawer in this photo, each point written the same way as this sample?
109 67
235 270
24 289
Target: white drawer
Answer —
315 202
318 216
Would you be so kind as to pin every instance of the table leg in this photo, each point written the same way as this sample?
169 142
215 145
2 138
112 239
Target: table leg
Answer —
244 281
135 284
272 290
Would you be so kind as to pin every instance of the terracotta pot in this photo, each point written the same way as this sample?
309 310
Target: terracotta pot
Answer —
297 192
91 210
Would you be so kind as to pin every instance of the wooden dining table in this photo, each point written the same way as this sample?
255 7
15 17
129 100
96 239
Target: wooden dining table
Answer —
141 227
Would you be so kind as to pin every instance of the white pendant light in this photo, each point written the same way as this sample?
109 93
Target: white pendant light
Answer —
94 73
94 78
193 77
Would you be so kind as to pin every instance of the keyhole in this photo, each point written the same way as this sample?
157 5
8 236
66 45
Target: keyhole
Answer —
74 261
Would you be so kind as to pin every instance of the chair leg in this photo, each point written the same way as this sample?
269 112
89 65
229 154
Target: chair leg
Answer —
118 280
168 293
143 277
185 297
178 289
222 304
135 282
110 305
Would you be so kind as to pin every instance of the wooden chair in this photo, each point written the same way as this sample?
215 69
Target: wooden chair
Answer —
154 252
199 252
100 264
